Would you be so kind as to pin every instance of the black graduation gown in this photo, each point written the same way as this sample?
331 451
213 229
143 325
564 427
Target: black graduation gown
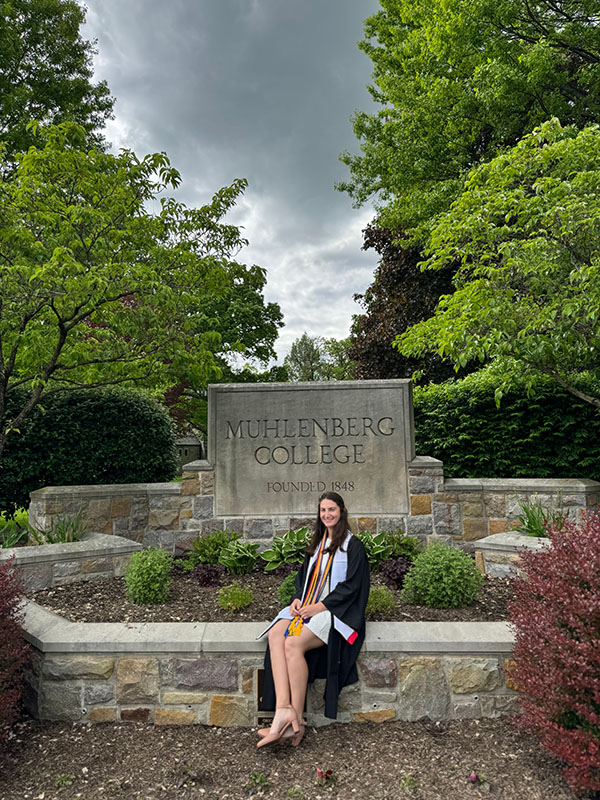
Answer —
336 662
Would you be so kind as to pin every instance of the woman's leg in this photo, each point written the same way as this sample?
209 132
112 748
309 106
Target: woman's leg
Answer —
290 670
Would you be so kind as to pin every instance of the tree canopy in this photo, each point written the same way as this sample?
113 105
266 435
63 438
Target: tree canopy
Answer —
46 71
98 290
458 82
526 230
399 296
317 358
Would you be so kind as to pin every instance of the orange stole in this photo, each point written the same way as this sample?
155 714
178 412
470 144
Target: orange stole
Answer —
313 590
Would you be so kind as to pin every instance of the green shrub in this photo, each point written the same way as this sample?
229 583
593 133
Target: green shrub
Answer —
442 577
404 546
14 530
378 547
239 557
286 589
207 547
548 435
287 549
381 601
234 597
148 576
87 436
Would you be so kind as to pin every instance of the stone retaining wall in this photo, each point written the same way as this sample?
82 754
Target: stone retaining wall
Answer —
170 514
499 555
207 673
95 556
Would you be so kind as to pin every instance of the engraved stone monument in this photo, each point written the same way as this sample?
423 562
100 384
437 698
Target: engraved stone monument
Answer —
277 447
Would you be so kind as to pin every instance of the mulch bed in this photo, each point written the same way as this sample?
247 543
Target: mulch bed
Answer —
390 761
105 601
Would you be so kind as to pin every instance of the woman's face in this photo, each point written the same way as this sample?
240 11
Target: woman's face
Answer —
329 512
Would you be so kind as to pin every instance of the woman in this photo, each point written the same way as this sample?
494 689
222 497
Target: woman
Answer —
319 635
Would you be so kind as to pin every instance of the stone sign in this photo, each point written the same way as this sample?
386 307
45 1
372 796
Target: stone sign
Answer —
277 447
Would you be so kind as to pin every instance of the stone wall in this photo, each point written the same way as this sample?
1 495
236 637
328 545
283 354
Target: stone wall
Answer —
96 556
208 673
170 514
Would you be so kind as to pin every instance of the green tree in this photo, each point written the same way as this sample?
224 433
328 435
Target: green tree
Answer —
458 82
527 232
95 288
316 358
46 71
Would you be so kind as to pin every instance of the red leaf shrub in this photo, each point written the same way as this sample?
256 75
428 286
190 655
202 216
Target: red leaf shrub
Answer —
556 615
13 648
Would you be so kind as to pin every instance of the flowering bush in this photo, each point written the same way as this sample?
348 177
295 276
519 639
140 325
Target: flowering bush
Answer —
556 616
13 649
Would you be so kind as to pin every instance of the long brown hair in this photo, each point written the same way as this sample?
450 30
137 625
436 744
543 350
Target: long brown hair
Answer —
339 532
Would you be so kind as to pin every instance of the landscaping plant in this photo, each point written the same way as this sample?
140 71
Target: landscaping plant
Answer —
381 601
239 557
442 577
378 547
13 529
287 549
234 597
206 548
407 546
64 529
13 648
148 576
286 589
394 571
534 519
208 574
556 618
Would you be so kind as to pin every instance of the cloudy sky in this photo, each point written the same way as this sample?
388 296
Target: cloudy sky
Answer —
260 89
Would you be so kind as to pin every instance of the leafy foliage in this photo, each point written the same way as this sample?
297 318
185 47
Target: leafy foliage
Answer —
234 597
381 601
46 71
286 590
315 358
527 232
148 576
378 547
408 547
556 617
534 519
547 434
394 571
98 290
457 82
206 548
86 437
14 651
64 529
14 529
208 574
287 549
400 296
442 577
239 557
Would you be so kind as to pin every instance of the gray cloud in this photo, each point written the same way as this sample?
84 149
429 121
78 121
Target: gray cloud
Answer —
261 89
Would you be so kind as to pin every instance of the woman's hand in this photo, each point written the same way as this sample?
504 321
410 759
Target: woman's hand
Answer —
295 606
306 612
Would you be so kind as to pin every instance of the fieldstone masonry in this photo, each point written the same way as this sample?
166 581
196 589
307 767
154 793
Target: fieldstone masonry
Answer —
209 673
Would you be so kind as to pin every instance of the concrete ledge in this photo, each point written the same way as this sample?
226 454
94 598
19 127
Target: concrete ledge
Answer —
51 633
92 545
512 542
524 485
102 490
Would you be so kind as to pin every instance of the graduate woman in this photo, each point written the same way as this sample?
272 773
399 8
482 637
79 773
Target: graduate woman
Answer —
319 635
